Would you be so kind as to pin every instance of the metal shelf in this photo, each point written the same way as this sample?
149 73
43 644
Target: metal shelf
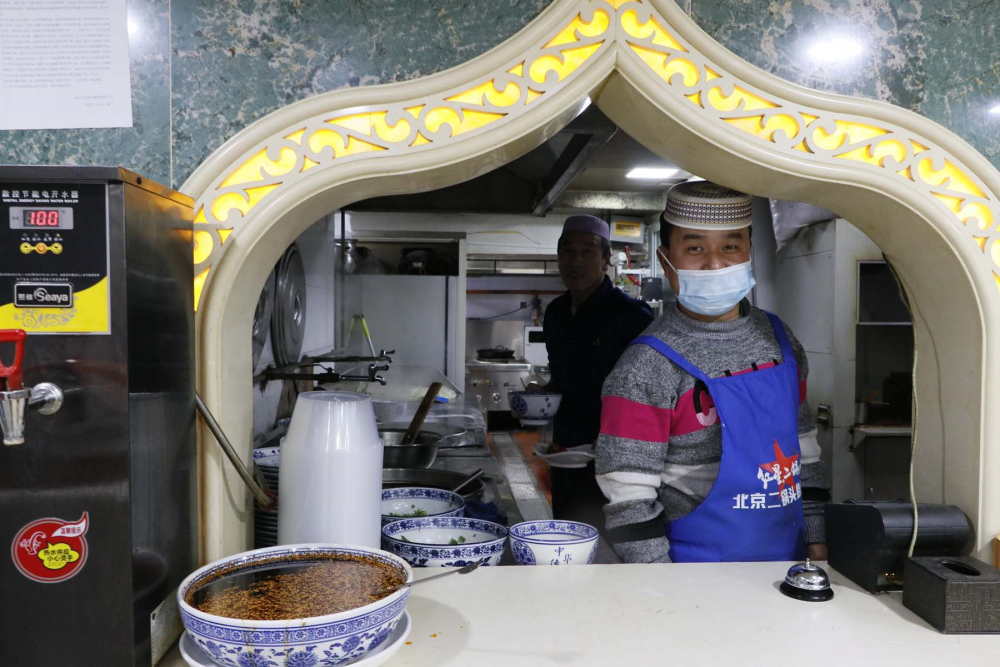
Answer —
861 432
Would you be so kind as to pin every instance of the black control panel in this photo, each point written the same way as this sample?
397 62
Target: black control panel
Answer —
54 265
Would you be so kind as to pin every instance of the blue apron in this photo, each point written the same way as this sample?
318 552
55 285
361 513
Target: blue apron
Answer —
754 510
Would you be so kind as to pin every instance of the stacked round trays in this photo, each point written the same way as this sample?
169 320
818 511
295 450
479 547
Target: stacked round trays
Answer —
265 522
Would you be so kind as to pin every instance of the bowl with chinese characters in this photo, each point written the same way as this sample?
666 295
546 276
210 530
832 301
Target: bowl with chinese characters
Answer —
553 542
414 502
534 408
445 541
241 613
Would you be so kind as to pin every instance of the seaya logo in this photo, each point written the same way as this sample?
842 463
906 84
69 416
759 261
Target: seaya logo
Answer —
43 295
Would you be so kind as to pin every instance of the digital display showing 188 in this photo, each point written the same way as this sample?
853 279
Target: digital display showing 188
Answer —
41 218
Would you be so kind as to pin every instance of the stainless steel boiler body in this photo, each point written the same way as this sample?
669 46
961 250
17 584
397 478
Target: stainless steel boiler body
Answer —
99 502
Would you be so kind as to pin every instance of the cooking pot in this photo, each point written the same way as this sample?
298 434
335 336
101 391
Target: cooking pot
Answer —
450 436
422 453
495 353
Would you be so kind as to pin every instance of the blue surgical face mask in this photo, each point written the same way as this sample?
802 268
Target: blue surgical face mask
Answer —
713 292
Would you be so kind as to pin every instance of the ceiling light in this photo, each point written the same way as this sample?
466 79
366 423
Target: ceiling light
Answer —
650 173
995 109
835 49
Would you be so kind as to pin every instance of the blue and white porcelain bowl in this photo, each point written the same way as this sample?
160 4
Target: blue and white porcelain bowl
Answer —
267 456
445 541
534 408
553 543
414 502
333 639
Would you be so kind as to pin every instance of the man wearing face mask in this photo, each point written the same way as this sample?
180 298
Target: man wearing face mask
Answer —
708 448
586 330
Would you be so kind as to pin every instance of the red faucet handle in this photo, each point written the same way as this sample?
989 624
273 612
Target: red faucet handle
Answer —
12 373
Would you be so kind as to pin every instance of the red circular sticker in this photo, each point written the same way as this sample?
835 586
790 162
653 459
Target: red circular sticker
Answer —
51 550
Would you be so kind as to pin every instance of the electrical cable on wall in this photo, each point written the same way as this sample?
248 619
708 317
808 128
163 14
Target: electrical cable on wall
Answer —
493 317
914 420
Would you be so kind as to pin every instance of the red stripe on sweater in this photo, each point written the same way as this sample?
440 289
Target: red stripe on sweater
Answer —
629 419
623 418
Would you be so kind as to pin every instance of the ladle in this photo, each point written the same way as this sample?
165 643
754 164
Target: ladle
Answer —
421 414
468 480
462 570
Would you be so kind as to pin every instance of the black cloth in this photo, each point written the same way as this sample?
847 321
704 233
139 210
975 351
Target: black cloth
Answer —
583 349
577 497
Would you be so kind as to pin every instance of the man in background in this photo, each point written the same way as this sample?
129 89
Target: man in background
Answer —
586 330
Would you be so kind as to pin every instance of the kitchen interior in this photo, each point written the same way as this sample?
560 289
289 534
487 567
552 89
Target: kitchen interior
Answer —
451 286
391 346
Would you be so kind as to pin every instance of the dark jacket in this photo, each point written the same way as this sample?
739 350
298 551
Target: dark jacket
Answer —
583 349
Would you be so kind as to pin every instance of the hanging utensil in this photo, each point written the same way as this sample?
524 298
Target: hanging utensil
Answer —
288 322
248 478
468 480
462 570
262 317
421 414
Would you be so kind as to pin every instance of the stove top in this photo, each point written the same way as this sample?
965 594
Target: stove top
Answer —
499 364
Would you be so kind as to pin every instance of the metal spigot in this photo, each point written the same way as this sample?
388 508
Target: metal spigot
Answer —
15 398
371 377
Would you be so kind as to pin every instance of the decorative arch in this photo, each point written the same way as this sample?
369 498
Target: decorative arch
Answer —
928 199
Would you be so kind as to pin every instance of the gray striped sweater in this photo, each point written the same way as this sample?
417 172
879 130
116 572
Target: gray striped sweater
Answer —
670 470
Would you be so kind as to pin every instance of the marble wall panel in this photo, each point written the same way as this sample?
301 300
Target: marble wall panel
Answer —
230 62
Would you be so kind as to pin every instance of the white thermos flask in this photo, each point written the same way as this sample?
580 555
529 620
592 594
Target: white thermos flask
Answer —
331 472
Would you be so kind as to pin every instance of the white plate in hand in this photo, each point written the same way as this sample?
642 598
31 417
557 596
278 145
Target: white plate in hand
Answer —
573 457
195 657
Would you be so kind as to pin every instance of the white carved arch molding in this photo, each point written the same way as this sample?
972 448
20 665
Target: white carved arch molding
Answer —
924 196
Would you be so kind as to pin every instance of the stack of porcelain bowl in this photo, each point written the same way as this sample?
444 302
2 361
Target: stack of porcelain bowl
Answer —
265 522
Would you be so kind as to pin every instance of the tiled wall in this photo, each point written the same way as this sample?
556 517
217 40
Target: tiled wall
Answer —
202 70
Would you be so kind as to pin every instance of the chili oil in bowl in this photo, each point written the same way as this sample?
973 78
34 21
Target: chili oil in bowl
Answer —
307 604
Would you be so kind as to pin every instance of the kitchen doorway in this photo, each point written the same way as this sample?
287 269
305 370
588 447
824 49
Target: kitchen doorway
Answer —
923 196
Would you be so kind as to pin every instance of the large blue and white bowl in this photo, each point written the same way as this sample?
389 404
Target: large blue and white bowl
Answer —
553 542
334 639
534 408
431 542
413 502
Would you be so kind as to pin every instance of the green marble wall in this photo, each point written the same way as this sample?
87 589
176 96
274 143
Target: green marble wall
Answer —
939 58
230 62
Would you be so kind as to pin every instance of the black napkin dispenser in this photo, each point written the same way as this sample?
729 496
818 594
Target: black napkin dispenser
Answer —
868 540
958 595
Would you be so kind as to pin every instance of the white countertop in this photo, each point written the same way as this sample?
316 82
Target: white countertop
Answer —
690 615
